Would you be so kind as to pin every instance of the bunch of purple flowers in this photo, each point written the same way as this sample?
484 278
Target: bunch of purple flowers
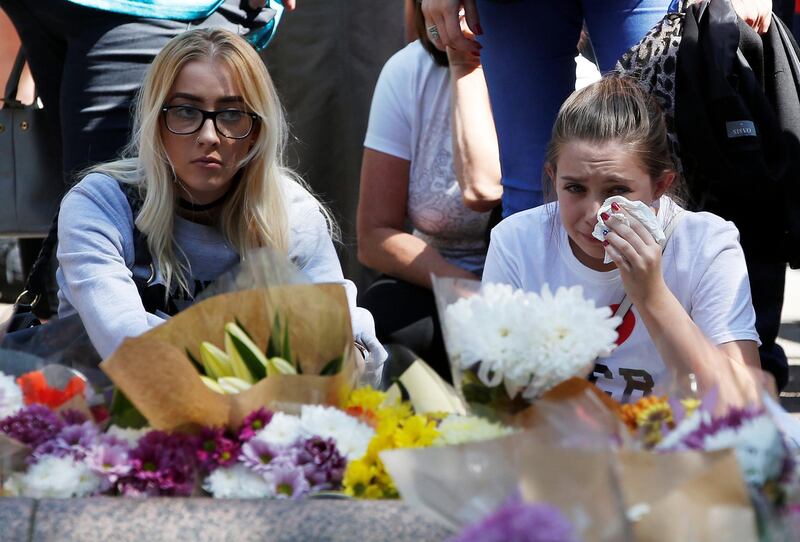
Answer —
522 522
291 466
70 456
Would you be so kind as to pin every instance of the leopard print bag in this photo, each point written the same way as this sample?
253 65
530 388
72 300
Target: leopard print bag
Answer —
653 61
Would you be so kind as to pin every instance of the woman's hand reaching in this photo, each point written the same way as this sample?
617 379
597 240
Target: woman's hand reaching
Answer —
756 13
444 15
461 61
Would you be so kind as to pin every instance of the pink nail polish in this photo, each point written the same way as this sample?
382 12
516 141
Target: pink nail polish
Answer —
615 206
605 243
604 216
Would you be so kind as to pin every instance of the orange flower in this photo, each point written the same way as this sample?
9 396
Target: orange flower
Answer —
36 390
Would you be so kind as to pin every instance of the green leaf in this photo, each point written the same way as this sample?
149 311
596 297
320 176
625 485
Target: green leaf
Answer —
273 348
254 365
197 365
333 366
124 414
287 349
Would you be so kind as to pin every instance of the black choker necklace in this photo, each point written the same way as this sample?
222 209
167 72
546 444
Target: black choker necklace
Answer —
195 207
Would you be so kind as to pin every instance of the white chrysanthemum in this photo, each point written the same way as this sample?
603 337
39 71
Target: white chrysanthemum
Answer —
237 482
131 436
759 448
530 342
351 436
456 429
282 430
59 478
10 396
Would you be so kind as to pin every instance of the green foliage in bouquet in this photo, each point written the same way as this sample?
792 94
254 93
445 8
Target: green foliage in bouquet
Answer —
489 402
124 414
241 364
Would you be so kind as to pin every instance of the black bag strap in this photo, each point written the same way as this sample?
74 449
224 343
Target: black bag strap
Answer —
12 85
154 296
36 283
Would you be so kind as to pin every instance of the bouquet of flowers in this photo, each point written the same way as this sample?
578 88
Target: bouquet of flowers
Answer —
507 347
64 453
768 464
160 371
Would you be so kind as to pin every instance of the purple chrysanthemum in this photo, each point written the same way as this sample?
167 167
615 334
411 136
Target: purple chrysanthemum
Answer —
322 463
255 422
33 425
263 457
111 462
73 440
73 417
161 464
289 483
522 522
734 419
216 449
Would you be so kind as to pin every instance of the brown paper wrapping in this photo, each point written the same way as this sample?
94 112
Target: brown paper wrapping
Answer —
570 390
154 372
691 496
12 458
698 496
12 453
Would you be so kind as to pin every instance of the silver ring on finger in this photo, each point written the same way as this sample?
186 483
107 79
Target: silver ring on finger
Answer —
433 32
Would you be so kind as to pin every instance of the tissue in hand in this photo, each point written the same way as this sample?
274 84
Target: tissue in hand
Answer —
637 209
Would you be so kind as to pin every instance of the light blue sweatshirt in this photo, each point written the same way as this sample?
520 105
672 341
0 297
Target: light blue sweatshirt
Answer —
96 254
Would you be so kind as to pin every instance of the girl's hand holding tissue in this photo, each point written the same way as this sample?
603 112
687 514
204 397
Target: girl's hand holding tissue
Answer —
636 253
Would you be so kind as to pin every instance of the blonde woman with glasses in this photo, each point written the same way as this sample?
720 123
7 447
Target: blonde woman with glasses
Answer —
202 182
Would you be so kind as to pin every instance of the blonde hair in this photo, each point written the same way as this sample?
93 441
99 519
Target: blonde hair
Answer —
254 213
615 108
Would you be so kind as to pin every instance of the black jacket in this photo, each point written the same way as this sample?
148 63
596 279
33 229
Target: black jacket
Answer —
737 117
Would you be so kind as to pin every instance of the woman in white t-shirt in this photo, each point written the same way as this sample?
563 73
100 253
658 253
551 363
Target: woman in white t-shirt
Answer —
430 161
691 305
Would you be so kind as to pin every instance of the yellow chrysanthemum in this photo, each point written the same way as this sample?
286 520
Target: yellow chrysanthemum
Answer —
366 398
633 414
358 477
416 432
379 443
397 412
690 404
376 491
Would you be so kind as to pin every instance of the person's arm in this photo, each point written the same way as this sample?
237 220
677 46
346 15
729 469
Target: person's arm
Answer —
408 18
94 234
682 344
383 243
311 249
445 15
500 266
476 156
756 13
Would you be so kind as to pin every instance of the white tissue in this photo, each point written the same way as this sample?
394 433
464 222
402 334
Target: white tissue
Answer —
638 210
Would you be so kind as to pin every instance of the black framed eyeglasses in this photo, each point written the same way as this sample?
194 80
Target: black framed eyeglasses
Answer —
230 123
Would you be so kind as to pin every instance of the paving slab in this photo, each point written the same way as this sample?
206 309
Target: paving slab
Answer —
201 519
15 519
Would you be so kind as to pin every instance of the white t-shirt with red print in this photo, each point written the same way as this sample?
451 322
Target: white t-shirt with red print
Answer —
703 266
